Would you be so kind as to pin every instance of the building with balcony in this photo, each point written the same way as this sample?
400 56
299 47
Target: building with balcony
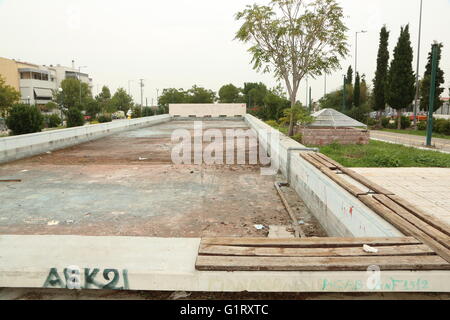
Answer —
37 83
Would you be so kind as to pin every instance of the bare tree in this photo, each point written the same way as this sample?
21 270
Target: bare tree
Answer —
294 39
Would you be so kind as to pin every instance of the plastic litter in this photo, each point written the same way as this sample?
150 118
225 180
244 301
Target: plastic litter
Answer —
259 226
369 249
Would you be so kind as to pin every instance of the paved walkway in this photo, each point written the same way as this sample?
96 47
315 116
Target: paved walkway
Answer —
410 140
426 188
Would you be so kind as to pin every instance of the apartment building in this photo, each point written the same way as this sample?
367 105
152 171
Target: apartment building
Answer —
36 83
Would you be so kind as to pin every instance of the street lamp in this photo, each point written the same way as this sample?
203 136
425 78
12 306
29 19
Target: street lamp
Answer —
61 91
416 103
356 50
79 79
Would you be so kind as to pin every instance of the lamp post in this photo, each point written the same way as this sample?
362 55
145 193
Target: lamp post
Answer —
129 87
416 102
79 79
356 49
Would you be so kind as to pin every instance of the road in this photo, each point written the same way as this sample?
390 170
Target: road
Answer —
442 145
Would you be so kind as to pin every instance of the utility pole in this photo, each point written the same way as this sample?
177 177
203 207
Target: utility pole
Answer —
416 103
157 97
356 50
432 94
79 79
307 86
129 87
344 94
141 81
310 99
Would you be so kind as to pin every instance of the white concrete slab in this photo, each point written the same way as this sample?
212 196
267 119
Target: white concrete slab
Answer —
169 265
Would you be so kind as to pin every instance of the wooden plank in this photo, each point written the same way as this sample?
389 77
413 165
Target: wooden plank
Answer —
315 163
352 189
323 161
310 242
435 222
406 250
405 226
220 263
11 180
422 225
369 184
361 179
335 163
297 228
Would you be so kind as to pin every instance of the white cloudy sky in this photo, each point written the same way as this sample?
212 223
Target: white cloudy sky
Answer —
178 43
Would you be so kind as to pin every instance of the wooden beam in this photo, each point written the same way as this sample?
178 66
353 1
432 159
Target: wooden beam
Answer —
220 263
326 163
435 222
369 184
406 250
422 225
310 242
405 226
299 233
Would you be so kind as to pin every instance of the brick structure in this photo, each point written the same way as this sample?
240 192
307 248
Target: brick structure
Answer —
324 136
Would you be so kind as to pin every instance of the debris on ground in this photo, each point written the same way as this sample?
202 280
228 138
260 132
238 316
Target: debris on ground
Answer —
369 249
53 223
179 295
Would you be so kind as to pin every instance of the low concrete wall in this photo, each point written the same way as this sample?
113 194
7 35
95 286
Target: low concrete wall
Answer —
340 213
208 110
27 145
327 136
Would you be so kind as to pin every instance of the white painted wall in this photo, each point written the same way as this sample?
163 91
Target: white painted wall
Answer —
205 110
339 212
27 145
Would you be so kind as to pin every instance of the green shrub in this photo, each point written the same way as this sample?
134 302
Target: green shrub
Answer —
405 123
385 122
298 137
272 123
137 113
443 126
422 125
104 118
74 118
52 121
147 112
25 119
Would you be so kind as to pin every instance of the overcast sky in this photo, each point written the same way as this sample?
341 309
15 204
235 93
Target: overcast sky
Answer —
178 43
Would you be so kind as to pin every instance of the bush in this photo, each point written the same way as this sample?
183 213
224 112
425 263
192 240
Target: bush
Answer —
422 125
52 121
272 123
24 119
385 122
74 118
147 112
137 113
405 123
104 118
441 126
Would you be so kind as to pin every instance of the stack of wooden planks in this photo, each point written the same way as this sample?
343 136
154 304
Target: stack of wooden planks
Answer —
316 254
407 218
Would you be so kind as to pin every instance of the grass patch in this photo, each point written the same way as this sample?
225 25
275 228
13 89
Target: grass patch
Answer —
379 154
421 133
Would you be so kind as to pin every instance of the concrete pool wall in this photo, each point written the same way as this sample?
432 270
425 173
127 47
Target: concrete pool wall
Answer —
23 146
339 213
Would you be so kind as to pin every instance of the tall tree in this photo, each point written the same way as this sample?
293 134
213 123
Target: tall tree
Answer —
230 94
401 80
8 97
122 100
357 91
71 96
294 39
350 75
425 84
104 100
254 94
381 75
200 95
171 95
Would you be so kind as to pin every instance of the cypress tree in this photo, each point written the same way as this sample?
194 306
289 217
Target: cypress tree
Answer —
401 80
357 91
350 75
426 83
380 81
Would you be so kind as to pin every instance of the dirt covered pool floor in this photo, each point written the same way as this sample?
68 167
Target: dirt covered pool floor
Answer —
127 185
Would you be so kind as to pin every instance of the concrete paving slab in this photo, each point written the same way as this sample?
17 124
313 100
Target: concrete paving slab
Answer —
426 188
